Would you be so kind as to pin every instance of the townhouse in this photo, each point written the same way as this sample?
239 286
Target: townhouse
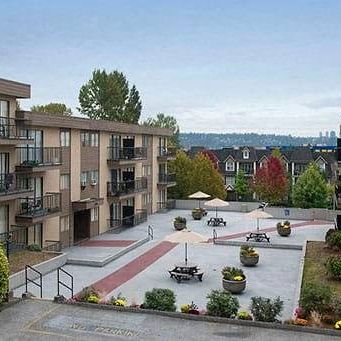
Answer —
64 179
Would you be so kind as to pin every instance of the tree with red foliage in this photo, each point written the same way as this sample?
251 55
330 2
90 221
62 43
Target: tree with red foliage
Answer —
270 182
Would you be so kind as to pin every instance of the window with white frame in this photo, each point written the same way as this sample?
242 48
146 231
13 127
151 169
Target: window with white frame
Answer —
246 154
64 223
94 139
145 141
94 176
321 165
229 166
230 180
65 138
146 170
94 214
64 181
84 178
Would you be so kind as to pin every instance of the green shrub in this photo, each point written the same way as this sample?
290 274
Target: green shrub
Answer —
334 239
34 247
180 220
328 234
159 299
230 273
221 303
333 266
336 307
4 275
265 309
315 297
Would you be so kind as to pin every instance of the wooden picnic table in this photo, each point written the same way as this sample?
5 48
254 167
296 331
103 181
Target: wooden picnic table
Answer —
186 271
214 221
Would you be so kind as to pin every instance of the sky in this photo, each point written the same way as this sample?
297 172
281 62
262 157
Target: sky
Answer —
218 66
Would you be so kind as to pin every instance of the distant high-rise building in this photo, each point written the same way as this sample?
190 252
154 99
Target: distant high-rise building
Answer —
332 134
320 134
327 134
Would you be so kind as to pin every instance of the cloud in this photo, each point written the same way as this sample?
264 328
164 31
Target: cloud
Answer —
327 102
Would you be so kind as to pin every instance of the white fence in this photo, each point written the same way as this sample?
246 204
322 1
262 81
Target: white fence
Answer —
276 212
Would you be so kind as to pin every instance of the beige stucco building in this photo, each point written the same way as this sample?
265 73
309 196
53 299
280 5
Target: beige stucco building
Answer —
64 179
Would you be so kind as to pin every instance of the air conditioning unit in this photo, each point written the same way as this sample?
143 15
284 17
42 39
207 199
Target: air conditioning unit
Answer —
93 182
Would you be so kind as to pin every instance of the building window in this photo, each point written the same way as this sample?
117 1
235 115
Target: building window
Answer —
94 177
94 139
94 214
229 181
64 181
64 223
146 170
3 218
321 165
229 166
85 139
84 178
65 138
247 168
145 141
144 200
246 154
89 139
4 108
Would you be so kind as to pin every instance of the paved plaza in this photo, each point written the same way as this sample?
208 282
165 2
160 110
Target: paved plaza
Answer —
146 267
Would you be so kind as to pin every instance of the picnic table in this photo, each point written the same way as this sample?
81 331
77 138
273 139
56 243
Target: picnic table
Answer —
214 221
186 271
258 237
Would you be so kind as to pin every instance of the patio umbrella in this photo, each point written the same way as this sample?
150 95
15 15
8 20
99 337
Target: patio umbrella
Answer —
258 214
216 203
185 236
199 195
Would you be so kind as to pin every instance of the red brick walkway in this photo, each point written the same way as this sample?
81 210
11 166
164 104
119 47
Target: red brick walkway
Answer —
271 229
108 243
130 270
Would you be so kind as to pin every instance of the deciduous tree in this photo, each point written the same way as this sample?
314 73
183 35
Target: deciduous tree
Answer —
53 108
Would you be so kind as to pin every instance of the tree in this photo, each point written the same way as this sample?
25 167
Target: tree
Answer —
241 186
205 178
311 189
165 121
53 108
107 96
4 274
270 181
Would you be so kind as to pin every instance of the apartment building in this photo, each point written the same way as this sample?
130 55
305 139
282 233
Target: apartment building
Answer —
64 179
296 160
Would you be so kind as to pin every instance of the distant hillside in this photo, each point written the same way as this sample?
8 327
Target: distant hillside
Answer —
216 141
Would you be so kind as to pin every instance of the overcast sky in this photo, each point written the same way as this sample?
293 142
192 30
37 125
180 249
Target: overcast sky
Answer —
217 66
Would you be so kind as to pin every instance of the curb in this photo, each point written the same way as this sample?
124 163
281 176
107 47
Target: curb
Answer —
259 244
105 261
178 315
300 274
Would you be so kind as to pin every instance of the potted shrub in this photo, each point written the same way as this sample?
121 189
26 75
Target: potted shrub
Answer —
284 228
197 214
248 255
234 280
266 309
179 223
221 303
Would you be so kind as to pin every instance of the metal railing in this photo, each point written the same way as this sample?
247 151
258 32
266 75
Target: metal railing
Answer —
126 187
9 129
27 280
167 151
59 282
166 178
14 183
127 153
138 218
150 232
16 239
38 156
39 206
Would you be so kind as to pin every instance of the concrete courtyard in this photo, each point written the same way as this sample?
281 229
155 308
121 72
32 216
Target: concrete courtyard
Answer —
146 267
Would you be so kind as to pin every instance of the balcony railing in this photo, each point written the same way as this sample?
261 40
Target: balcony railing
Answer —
167 152
39 156
16 239
138 218
39 206
9 129
115 189
11 183
166 178
126 153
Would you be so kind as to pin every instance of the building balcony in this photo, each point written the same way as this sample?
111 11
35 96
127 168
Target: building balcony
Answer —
166 180
138 218
37 159
126 155
12 186
166 153
126 188
10 133
34 210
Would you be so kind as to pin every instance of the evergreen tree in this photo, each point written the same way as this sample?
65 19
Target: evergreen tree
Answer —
52 108
242 186
311 189
107 96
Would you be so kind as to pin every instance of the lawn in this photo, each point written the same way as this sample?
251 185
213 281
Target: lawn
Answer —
18 260
314 270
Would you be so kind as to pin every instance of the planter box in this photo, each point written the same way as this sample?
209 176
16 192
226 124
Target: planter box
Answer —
284 232
248 260
179 226
197 215
234 287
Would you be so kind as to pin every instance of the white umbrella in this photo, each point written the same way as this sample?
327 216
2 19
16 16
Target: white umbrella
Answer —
258 214
185 236
199 195
216 203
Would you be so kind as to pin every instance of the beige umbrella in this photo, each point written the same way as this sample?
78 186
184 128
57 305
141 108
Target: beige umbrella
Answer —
199 195
185 236
216 203
258 214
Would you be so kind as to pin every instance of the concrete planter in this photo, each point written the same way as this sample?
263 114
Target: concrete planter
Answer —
234 287
179 226
283 231
197 214
249 260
